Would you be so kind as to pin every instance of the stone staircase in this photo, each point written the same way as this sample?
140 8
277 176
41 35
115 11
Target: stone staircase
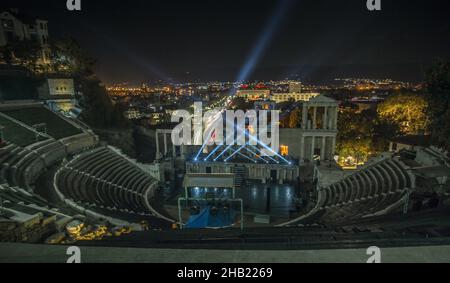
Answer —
239 180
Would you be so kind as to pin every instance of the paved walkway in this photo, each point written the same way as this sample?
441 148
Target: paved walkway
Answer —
43 253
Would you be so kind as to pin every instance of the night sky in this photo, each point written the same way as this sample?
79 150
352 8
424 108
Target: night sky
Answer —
312 40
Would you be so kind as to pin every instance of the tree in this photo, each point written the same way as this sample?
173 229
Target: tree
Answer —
355 136
69 57
438 86
242 103
407 111
359 149
25 53
7 54
99 111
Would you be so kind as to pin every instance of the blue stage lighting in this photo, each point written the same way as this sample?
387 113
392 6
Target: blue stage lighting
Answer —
212 152
259 156
211 129
267 147
246 157
234 153
222 153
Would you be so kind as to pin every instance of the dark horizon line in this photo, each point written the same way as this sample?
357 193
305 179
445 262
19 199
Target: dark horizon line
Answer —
312 74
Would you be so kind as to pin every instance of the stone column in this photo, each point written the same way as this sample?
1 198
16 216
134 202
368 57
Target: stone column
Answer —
335 118
325 118
302 147
158 152
333 147
304 116
165 144
314 123
323 150
313 145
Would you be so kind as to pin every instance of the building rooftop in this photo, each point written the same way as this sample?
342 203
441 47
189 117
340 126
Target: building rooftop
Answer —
322 99
23 17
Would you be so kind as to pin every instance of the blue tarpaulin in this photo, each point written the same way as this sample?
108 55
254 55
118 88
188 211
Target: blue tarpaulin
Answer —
207 220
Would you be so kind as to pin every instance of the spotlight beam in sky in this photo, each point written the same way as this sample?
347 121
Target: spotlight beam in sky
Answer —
263 41
130 54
